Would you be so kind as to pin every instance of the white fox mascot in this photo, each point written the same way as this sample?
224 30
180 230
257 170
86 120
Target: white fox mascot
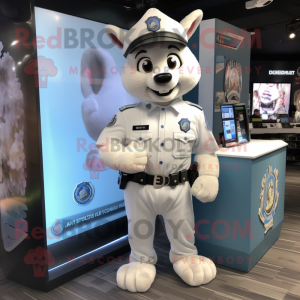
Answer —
151 143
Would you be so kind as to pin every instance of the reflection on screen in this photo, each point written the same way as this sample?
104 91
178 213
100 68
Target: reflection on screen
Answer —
80 91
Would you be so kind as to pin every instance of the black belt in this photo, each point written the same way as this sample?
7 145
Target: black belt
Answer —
158 180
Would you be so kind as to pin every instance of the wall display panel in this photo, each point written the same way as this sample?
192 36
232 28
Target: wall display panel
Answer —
271 99
279 72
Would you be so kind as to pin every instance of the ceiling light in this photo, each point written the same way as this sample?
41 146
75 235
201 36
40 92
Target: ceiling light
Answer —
292 32
292 29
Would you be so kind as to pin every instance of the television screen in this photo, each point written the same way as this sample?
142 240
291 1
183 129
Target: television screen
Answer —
78 73
271 99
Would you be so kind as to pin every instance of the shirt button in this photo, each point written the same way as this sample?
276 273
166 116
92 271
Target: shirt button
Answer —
148 106
161 162
140 138
185 138
162 109
162 126
162 144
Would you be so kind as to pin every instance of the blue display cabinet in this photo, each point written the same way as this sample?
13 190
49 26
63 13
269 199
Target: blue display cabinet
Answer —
245 219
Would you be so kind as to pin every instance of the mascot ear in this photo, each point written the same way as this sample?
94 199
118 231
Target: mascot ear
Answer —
191 22
116 35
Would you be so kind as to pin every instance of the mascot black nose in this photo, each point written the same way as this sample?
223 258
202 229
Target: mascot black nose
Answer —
162 78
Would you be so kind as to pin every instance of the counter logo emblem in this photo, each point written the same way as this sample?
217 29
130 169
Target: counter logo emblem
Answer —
84 193
269 197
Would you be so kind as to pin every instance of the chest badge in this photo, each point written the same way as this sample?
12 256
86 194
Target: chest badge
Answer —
153 23
184 125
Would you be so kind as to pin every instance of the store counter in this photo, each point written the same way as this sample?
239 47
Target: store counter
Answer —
245 219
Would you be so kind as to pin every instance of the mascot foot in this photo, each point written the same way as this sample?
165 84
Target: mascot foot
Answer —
136 277
195 270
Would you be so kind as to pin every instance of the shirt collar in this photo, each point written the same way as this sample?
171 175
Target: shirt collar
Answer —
175 105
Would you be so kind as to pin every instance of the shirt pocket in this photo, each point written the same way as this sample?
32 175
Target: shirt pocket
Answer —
142 140
183 144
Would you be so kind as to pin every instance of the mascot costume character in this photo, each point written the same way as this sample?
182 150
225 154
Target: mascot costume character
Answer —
151 144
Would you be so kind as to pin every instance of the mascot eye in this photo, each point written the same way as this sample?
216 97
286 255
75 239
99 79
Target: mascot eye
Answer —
174 62
145 65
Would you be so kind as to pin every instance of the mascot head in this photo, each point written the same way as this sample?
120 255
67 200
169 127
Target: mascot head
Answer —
159 66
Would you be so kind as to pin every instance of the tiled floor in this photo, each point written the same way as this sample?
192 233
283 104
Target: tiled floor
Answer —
276 276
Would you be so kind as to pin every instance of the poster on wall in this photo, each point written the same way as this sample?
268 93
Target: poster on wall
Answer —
229 40
271 99
219 100
233 82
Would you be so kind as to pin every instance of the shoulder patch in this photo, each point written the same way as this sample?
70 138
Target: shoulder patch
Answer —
193 104
128 106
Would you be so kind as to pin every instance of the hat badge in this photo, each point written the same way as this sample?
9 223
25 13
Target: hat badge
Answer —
153 23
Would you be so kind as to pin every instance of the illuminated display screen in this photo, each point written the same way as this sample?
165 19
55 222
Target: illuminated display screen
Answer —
80 90
271 99
235 124
228 123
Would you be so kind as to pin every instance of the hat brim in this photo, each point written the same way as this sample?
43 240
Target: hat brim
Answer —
154 37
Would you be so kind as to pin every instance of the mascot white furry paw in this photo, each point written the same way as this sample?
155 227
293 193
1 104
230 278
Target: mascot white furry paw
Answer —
151 144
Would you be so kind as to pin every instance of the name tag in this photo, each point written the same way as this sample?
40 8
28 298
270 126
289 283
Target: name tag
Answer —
140 127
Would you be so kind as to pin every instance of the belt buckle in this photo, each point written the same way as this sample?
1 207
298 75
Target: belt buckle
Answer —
159 181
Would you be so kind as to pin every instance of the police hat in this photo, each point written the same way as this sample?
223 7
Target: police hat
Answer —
154 27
